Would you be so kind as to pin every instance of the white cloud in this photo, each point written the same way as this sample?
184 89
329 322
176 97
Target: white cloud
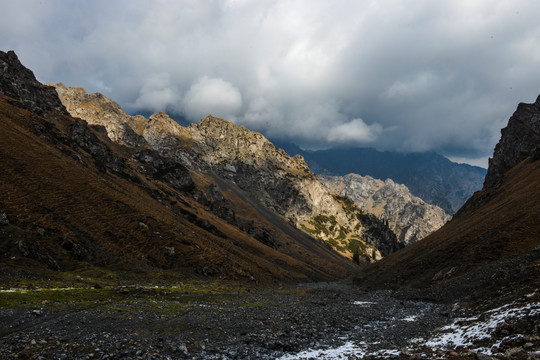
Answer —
419 85
212 96
443 73
157 93
355 130
482 161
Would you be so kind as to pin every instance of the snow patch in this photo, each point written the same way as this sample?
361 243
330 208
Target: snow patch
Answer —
410 318
465 331
364 303
343 352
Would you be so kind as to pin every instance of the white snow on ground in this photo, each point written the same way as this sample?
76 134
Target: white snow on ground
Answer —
40 289
364 303
410 318
343 352
465 331
462 332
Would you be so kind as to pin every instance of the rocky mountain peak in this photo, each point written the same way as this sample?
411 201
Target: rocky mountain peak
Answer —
519 140
163 123
408 216
18 82
97 109
226 142
77 96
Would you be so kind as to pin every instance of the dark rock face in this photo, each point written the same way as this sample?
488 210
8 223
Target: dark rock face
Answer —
18 82
378 234
519 140
165 169
103 156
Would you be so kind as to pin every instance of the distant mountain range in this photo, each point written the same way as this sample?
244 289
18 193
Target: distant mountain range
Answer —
428 175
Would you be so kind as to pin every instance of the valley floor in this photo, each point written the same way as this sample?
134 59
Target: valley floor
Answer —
221 321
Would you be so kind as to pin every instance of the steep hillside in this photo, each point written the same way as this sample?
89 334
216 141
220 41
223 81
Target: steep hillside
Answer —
430 176
247 160
409 217
491 248
73 200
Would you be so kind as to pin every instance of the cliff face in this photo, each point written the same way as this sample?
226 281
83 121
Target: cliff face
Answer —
20 83
233 153
97 109
408 216
519 140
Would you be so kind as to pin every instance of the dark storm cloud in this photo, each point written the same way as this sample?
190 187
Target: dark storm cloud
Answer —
413 76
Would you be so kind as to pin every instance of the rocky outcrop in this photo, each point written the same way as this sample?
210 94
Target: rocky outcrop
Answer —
408 216
215 146
287 186
19 83
97 109
519 140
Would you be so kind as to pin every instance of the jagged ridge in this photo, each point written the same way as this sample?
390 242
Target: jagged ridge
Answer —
279 182
408 216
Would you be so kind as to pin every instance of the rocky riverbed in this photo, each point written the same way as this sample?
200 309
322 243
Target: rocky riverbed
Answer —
310 321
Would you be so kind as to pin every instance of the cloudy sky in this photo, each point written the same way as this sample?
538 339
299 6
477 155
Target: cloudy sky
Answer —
408 75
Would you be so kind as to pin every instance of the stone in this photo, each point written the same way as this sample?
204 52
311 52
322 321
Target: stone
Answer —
19 83
516 353
481 356
4 219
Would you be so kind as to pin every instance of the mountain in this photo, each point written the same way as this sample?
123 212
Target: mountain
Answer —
409 217
491 247
89 188
74 200
245 162
430 176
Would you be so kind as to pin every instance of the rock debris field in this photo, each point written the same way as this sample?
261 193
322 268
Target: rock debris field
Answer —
311 321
